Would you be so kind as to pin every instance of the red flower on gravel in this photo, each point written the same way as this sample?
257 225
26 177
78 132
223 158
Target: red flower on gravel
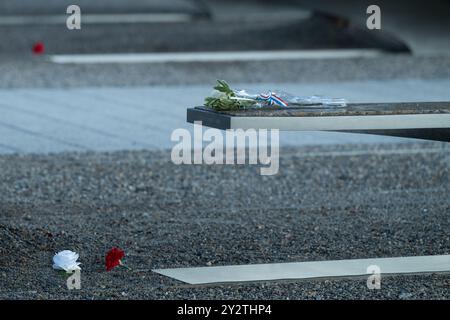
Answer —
38 48
113 257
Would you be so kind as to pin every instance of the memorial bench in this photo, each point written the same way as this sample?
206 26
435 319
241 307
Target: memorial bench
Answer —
422 120
426 120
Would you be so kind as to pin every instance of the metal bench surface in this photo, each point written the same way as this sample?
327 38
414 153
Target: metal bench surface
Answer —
425 120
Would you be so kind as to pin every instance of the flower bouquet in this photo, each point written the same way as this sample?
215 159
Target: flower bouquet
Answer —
224 98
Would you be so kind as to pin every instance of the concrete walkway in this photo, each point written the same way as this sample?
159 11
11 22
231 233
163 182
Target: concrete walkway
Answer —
107 119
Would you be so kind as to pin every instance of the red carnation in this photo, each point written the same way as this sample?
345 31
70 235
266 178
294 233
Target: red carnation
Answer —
113 257
38 48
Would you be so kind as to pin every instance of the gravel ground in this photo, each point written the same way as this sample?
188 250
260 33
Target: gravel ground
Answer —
38 72
288 32
233 25
334 202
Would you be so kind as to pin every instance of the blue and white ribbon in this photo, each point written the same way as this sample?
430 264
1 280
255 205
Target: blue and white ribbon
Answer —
272 99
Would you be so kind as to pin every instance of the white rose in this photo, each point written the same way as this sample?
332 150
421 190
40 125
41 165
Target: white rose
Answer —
66 260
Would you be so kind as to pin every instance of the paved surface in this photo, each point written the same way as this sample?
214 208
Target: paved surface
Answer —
102 119
326 203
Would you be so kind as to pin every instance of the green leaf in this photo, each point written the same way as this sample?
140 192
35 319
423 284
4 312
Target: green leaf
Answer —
225 103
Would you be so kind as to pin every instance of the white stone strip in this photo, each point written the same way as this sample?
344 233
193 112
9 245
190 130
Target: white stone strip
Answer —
128 18
220 56
306 270
336 123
